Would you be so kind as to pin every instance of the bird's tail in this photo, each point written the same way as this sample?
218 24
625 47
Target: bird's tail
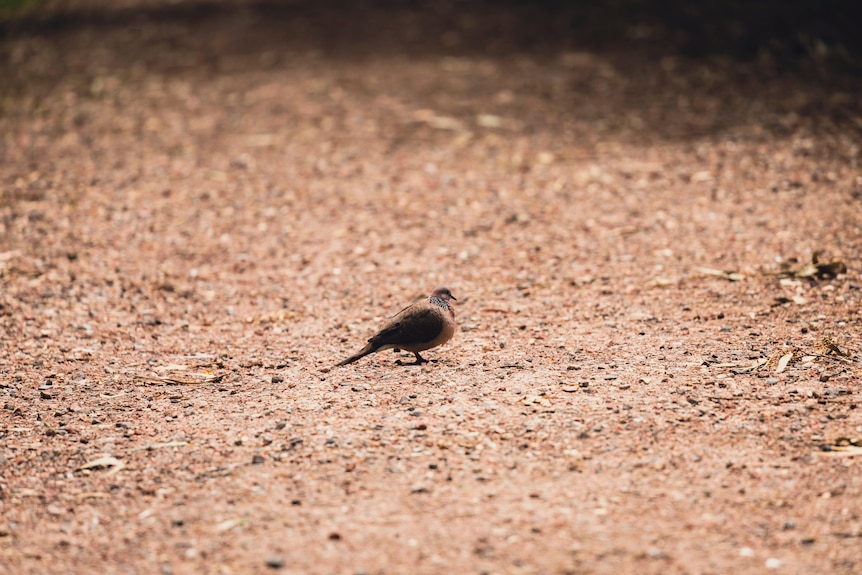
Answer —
368 349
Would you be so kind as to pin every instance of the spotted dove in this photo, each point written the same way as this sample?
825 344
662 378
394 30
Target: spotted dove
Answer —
425 324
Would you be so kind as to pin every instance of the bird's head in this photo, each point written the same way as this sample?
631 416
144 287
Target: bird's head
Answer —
443 293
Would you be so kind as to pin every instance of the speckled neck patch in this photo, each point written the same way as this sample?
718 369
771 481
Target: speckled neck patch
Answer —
440 302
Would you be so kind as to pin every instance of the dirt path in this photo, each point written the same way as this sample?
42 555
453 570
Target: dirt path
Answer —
200 215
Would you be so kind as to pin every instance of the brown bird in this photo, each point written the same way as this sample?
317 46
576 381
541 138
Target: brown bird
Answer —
425 324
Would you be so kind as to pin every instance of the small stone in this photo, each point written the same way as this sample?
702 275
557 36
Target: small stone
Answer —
257 459
277 379
772 563
275 562
420 488
54 510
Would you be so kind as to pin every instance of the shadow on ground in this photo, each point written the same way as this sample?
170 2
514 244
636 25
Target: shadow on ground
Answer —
715 63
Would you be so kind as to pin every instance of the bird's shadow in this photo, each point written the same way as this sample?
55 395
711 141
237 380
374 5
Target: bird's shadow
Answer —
403 363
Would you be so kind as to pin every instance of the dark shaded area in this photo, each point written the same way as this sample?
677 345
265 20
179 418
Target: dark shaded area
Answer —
615 65
791 32
787 30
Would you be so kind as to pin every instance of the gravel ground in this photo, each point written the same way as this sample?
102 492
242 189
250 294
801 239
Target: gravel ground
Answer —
656 261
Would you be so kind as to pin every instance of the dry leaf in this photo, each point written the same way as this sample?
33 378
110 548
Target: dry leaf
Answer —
439 122
750 367
832 348
489 121
536 400
821 270
728 275
843 451
782 363
230 524
171 367
93 495
107 461
192 379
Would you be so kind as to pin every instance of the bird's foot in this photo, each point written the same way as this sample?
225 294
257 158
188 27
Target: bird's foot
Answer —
419 360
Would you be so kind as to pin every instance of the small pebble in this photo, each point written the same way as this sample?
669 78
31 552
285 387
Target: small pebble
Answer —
257 459
773 563
277 379
275 562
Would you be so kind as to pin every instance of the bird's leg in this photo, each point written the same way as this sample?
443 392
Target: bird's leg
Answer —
419 359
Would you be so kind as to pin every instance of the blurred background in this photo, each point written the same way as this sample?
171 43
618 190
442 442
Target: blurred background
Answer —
788 31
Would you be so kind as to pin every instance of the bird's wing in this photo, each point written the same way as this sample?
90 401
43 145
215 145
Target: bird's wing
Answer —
412 325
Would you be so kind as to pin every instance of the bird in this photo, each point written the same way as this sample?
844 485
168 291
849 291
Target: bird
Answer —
430 322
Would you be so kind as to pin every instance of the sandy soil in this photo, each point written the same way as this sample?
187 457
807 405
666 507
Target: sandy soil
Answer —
201 212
